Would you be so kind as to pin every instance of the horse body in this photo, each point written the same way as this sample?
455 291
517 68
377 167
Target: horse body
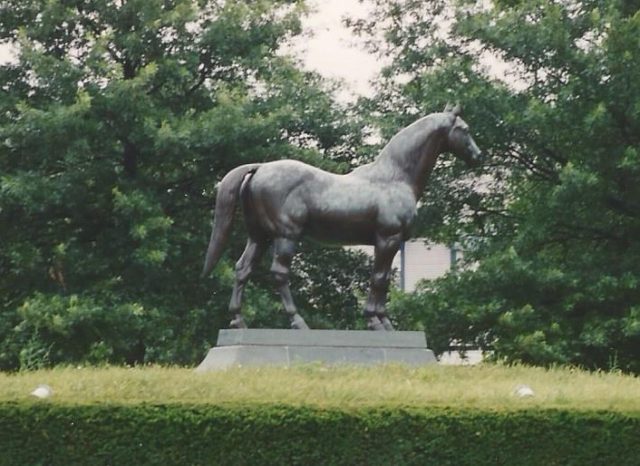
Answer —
290 199
374 204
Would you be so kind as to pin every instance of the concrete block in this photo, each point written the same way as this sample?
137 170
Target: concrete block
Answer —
341 338
278 347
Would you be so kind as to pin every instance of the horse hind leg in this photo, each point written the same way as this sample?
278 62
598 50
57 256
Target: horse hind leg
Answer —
252 253
283 251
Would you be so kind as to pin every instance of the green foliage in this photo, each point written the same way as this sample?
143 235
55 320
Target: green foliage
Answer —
550 231
333 415
488 387
267 434
343 286
116 122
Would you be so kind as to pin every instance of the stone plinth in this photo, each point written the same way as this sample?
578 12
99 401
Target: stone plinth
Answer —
278 347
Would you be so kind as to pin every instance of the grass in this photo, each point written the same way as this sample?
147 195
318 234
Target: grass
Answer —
482 387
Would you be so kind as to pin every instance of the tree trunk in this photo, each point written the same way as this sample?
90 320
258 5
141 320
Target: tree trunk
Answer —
130 159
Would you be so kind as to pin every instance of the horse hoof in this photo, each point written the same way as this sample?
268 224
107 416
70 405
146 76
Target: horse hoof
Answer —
238 323
375 324
386 323
298 323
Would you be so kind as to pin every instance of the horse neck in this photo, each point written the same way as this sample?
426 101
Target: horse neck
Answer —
412 153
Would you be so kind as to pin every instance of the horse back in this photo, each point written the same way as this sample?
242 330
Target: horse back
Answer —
289 198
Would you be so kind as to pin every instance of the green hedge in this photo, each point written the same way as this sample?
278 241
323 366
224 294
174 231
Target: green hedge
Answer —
52 434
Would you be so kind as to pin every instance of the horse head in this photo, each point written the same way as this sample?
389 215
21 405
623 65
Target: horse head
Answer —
459 140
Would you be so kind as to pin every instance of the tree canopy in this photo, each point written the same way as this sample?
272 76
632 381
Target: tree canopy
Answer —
117 119
551 228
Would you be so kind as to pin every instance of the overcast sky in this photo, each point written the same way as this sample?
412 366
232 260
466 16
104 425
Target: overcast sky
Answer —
333 50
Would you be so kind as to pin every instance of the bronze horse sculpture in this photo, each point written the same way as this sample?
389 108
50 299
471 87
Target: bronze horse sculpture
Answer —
375 204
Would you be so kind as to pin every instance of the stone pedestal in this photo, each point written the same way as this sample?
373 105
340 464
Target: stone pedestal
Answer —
278 347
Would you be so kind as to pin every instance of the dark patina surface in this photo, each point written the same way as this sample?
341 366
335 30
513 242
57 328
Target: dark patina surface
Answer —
375 204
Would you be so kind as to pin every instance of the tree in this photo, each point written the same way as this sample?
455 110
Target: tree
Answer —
551 233
117 119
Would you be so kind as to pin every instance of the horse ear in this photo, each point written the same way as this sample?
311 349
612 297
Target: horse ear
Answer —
447 108
457 110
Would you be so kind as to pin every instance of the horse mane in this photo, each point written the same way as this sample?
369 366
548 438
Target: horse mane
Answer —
411 139
400 157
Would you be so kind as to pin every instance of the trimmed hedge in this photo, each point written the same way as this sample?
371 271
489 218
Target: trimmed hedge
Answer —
53 434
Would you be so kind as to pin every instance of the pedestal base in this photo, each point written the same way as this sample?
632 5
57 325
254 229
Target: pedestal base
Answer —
277 347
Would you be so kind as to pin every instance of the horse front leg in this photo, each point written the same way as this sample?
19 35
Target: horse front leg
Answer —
252 253
375 309
283 252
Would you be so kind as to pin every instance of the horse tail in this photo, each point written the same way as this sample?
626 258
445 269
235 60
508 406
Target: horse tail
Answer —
228 193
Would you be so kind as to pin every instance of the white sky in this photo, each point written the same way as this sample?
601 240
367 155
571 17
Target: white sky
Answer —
333 50
5 54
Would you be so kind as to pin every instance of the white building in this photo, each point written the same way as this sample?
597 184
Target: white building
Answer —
417 261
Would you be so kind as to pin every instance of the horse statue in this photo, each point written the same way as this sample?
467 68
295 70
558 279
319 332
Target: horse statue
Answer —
375 204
